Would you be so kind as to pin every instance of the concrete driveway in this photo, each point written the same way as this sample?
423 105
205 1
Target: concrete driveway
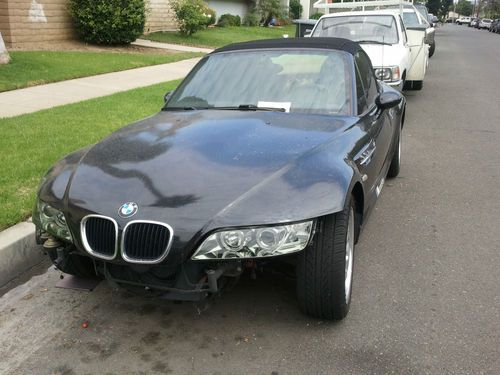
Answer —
426 296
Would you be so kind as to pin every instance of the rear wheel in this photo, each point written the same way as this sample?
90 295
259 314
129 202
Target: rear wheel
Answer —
325 268
74 264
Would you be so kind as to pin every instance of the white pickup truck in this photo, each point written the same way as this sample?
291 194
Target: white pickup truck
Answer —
399 54
462 20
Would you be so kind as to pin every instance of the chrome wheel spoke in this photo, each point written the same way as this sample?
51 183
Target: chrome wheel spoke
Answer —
349 253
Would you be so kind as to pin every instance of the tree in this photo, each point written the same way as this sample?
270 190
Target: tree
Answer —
464 8
192 15
108 21
4 55
296 9
445 7
270 9
433 6
492 8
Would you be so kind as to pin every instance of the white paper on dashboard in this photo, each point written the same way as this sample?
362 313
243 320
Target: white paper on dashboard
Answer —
278 105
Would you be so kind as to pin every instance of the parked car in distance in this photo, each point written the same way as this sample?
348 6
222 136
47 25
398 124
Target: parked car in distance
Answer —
268 152
393 51
474 22
462 20
495 26
485 23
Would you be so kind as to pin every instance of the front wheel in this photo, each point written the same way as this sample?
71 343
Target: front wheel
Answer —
413 85
325 268
396 160
432 48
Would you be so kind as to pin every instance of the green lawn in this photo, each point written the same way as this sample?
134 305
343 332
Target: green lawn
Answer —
220 36
29 68
30 144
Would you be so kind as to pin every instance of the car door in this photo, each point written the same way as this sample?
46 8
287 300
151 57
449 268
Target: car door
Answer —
373 157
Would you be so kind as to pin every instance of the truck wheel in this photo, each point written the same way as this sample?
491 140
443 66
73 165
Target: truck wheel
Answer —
74 264
325 268
415 85
432 47
396 159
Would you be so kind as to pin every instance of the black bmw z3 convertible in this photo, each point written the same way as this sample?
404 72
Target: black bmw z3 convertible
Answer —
268 151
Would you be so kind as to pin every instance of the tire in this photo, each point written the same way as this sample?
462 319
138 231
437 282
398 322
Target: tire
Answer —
324 269
413 85
432 49
417 85
396 159
74 264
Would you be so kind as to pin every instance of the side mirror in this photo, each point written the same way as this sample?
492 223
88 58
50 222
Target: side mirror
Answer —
167 96
307 33
388 99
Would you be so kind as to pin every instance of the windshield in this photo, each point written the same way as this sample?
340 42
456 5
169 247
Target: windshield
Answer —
307 81
361 28
410 19
422 9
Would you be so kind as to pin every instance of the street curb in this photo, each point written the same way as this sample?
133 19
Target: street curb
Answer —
18 251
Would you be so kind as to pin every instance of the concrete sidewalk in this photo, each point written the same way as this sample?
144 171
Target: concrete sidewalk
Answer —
173 47
32 99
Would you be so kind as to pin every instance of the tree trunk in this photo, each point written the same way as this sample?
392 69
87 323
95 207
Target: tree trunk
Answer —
4 55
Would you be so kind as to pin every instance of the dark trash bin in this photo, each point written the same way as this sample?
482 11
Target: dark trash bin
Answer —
303 27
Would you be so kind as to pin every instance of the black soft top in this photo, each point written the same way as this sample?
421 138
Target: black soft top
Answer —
321 43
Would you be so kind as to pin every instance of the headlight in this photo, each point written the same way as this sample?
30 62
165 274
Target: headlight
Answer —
51 221
255 242
390 74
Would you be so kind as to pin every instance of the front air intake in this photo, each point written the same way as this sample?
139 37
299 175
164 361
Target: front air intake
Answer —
100 236
146 242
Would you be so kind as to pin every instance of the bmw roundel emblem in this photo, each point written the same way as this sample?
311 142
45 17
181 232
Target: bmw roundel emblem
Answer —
128 209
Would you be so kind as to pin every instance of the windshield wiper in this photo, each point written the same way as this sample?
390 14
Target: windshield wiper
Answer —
188 108
247 107
373 41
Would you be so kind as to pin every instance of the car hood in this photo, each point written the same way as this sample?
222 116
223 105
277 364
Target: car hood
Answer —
384 55
200 170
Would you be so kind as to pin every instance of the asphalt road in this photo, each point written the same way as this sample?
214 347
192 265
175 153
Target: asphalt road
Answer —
426 293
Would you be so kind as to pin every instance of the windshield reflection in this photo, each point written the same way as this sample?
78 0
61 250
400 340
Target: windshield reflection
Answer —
304 81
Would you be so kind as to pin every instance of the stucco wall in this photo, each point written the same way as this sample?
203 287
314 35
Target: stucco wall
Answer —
27 22
234 7
160 16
